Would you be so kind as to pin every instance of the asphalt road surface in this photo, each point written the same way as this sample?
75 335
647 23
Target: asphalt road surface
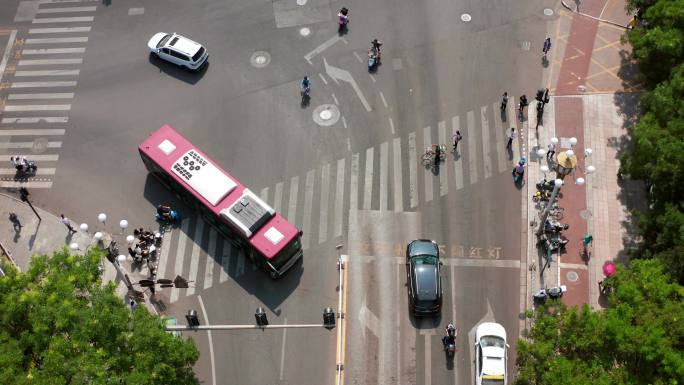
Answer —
80 91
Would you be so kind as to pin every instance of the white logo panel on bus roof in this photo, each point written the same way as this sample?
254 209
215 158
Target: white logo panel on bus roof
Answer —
274 235
249 213
203 177
166 147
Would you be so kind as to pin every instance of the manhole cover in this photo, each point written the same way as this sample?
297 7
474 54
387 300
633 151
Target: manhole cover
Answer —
548 11
305 31
326 114
572 276
39 145
260 59
301 2
466 17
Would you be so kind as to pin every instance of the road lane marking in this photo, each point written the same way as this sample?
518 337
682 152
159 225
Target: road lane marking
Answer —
396 170
354 183
357 56
384 171
443 180
48 73
282 351
50 20
66 9
35 132
180 255
164 256
50 51
292 206
7 53
458 262
486 153
308 203
211 341
452 270
339 197
29 184
391 123
382 97
56 144
413 172
226 255
427 141
472 147
46 119
64 1
338 73
278 196
211 254
194 256
59 30
368 181
428 360
368 320
55 95
325 191
499 132
42 62
56 40
325 45
458 164
38 107
42 84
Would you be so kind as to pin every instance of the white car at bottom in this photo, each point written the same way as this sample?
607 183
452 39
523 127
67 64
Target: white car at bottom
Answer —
178 49
491 356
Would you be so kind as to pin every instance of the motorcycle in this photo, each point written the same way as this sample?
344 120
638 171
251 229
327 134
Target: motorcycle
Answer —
449 342
552 242
25 167
172 217
555 227
545 185
555 292
373 59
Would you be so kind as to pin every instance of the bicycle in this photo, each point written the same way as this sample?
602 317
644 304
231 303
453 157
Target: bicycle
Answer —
556 213
429 155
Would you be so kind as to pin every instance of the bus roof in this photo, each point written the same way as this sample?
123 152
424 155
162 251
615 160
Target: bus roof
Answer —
228 199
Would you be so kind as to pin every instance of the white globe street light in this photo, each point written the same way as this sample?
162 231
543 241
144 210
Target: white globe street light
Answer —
121 258
590 169
130 239
98 236
123 224
540 153
84 227
73 246
588 152
544 169
570 153
554 140
102 217
573 141
579 181
558 183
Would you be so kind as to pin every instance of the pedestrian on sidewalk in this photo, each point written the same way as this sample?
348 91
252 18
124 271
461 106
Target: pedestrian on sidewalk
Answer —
547 46
521 108
551 151
15 222
65 221
504 101
510 138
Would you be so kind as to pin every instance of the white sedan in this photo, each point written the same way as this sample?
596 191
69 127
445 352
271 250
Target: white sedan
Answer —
178 50
490 354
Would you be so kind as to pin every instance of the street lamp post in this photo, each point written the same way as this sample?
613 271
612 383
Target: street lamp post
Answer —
545 214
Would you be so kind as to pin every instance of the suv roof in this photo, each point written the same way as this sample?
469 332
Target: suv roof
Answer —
183 44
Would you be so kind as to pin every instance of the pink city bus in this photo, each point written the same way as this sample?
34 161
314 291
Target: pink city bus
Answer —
267 238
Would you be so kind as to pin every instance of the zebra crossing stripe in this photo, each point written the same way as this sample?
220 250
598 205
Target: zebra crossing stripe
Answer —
50 20
325 190
56 144
396 169
29 184
384 169
66 9
48 73
472 146
38 107
499 132
42 62
512 113
194 256
458 164
63 1
486 145
368 180
57 40
180 255
164 256
33 132
40 171
50 51
42 84
55 95
354 183
292 207
46 119
225 261
443 179
211 254
278 196
413 170
308 202
339 197
427 142
42 157
59 30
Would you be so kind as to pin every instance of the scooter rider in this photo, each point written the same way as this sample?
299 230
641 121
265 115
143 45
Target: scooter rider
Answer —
450 337
306 85
375 49
164 211
438 155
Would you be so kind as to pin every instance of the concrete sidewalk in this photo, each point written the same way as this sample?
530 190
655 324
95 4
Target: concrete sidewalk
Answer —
594 99
49 234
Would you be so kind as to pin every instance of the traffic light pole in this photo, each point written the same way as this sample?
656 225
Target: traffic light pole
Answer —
240 327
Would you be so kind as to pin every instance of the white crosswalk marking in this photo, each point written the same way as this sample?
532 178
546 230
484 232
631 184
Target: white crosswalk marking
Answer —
180 255
427 142
29 184
472 146
35 132
194 256
308 204
368 181
443 179
325 191
52 51
42 157
164 257
42 62
28 144
225 261
66 9
64 1
486 155
211 254
292 206
354 183
59 30
458 164
40 171
384 171
56 95
264 194
48 73
39 119
42 84
499 135
38 107
396 170
278 196
50 20
413 170
57 40
339 197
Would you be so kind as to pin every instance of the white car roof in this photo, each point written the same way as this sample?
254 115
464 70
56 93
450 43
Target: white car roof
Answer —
183 44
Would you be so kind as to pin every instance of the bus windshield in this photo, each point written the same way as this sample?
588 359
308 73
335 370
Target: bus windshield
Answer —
286 253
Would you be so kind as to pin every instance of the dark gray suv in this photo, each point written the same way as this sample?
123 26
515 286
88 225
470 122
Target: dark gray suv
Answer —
423 273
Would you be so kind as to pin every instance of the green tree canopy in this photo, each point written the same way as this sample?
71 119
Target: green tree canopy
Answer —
60 325
639 339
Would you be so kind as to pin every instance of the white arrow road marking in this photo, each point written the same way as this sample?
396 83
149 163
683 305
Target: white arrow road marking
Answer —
340 74
369 320
326 44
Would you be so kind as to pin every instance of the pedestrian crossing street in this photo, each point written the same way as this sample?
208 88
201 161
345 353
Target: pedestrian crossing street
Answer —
38 77
387 177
